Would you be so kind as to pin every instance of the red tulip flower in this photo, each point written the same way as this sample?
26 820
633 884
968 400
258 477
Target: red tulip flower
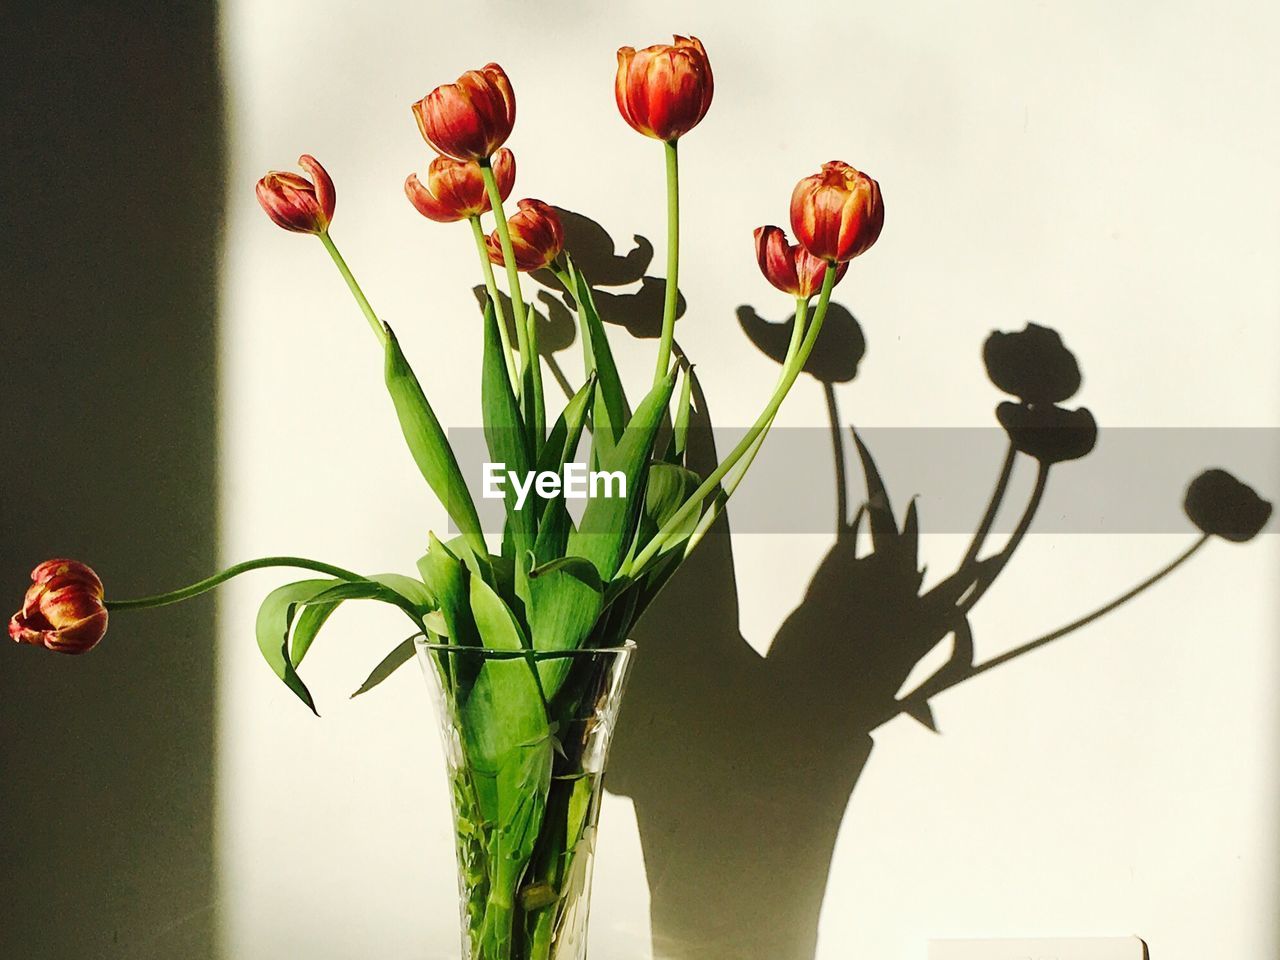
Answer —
455 188
790 267
296 203
470 119
537 236
63 610
837 214
664 91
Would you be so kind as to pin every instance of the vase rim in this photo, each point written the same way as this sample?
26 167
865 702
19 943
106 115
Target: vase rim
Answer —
421 642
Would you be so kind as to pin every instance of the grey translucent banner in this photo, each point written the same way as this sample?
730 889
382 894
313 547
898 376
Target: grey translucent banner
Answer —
1132 482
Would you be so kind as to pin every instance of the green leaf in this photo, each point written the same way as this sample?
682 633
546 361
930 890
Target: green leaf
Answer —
608 523
429 445
275 617
610 411
389 664
507 740
320 607
668 487
566 598
562 444
680 435
507 438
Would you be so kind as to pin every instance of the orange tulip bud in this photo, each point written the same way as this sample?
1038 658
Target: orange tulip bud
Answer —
470 119
665 90
63 610
788 266
536 236
837 214
455 188
296 203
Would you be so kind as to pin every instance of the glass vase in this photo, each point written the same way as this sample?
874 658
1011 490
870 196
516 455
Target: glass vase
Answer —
526 735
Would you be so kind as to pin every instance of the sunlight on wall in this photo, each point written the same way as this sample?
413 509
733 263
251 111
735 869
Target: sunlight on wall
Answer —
1112 177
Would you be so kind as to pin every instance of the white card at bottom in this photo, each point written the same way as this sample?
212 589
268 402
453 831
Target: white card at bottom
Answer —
1079 948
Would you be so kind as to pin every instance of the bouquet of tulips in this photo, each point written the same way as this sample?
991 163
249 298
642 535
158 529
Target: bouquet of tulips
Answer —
556 584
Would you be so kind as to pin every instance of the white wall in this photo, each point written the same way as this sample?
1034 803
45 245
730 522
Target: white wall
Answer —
1110 170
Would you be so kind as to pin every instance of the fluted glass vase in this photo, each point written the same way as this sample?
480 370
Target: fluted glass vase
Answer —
526 736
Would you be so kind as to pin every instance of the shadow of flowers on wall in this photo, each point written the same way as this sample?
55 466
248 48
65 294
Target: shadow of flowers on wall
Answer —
741 766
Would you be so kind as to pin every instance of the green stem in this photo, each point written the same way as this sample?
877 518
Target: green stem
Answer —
509 260
356 292
208 583
732 481
745 444
491 284
672 298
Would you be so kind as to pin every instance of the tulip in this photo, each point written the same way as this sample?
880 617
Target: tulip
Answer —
63 610
296 203
1032 365
664 91
838 213
536 236
1221 505
455 189
1048 433
470 119
788 266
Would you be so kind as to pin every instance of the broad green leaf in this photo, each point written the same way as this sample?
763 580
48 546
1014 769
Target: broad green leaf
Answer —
608 523
429 445
666 490
393 661
275 617
507 438
445 576
610 411
566 597
508 742
412 591
320 607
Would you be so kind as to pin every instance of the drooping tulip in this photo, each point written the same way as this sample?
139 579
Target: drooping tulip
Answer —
455 189
537 236
788 266
837 213
63 609
469 119
296 203
665 90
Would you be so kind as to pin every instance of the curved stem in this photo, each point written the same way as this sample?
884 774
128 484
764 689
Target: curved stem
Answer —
932 689
731 482
491 284
672 298
993 507
1001 560
365 307
207 584
747 442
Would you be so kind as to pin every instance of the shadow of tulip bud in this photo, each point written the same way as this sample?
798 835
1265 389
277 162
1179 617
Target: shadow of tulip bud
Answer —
1032 365
835 358
594 252
1223 506
556 328
1048 433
